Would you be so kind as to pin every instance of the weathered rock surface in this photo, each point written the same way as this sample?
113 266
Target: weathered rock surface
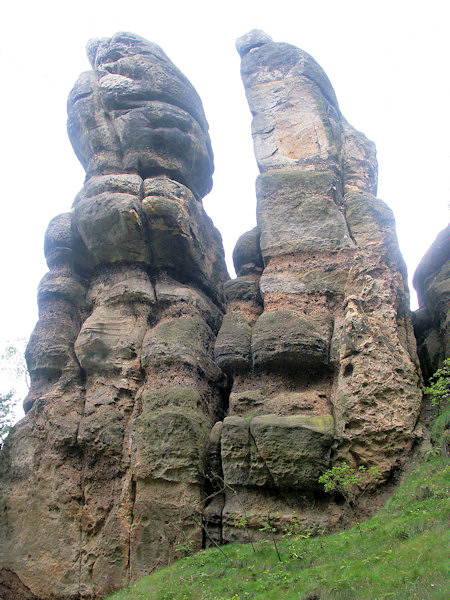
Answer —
157 382
432 319
106 471
317 336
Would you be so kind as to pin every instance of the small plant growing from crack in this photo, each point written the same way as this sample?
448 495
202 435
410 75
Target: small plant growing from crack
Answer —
185 548
439 389
350 483
439 393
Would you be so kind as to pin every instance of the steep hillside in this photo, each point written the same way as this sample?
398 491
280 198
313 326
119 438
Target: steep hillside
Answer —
400 553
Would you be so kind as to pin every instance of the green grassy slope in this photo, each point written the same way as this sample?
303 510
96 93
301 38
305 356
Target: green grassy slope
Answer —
400 553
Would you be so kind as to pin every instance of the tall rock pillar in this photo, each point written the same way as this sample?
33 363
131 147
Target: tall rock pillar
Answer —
105 474
317 336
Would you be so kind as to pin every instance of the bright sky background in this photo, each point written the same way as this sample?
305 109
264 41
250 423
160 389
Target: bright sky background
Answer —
388 61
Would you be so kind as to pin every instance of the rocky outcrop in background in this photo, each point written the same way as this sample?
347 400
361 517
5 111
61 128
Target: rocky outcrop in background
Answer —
105 472
317 336
163 393
432 320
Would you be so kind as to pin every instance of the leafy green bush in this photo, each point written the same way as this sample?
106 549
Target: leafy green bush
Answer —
350 483
440 432
439 389
7 404
439 393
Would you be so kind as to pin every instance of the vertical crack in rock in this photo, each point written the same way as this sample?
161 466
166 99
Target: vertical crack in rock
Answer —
271 481
82 494
432 319
80 539
103 114
132 503
124 386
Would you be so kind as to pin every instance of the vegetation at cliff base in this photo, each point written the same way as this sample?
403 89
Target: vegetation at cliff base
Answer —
401 553
438 393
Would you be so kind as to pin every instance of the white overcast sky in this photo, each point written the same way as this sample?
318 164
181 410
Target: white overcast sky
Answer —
387 60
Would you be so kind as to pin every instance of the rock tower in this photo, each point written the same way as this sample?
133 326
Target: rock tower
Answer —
317 336
101 476
166 400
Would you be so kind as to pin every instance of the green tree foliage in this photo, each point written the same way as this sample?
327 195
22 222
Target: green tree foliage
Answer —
439 389
350 483
14 378
7 404
439 394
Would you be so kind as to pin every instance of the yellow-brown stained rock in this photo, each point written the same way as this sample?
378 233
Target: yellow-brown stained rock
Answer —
106 472
332 340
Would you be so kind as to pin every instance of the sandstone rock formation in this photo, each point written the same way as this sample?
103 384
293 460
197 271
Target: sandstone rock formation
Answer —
317 336
432 320
131 434
105 473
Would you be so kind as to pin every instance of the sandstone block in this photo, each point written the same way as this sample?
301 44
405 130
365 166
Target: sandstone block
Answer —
178 341
170 445
176 397
334 359
178 240
63 245
241 462
251 39
232 350
328 280
122 284
101 433
62 283
281 83
243 289
246 402
50 348
295 449
158 138
111 227
247 253
171 293
136 112
300 211
281 339
110 339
